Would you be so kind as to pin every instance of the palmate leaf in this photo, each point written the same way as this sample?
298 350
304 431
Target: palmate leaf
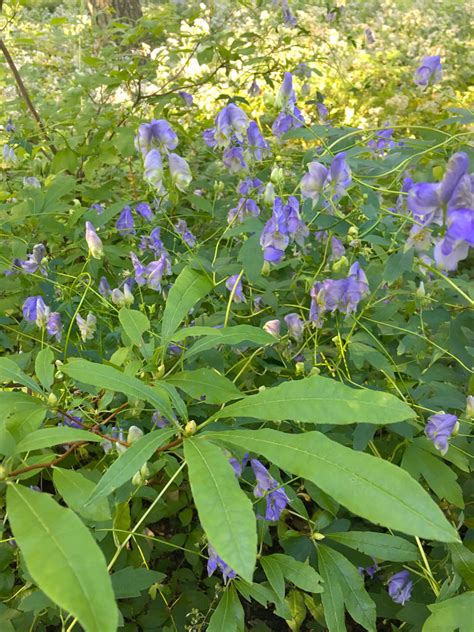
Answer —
63 558
368 486
323 401
224 510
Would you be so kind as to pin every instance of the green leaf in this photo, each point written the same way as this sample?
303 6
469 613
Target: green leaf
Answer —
332 597
463 561
452 615
62 558
134 324
225 511
187 290
251 336
20 413
130 582
44 367
274 573
368 486
11 372
208 384
75 489
47 437
390 548
300 574
102 376
229 614
336 569
320 400
129 463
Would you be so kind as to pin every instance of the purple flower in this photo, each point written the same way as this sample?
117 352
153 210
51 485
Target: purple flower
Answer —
457 240
54 326
98 208
257 145
144 209
30 308
187 98
400 586
122 299
429 70
34 261
71 420
9 154
274 238
182 229
251 185
275 496
153 242
159 421
288 16
254 89
382 143
154 168
10 127
156 134
337 249
94 242
238 466
371 570
125 224
215 562
104 287
233 159
322 111
286 96
231 121
234 284
313 182
31 181
179 171
86 326
343 295
209 136
339 176
272 327
369 36
246 207
286 121
295 326
439 429
156 270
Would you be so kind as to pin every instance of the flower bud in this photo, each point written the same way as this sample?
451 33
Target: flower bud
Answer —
341 264
299 368
190 428
353 232
272 327
137 479
314 371
134 433
318 536
52 400
277 175
3 473
420 290
94 242
470 407
159 372
59 375
269 194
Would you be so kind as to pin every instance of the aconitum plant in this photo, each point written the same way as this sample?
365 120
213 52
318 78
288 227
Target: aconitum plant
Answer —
236 372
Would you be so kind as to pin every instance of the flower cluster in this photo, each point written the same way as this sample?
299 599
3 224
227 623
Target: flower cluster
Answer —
246 206
34 262
343 295
382 143
152 140
284 227
267 487
290 116
241 139
449 204
35 310
333 182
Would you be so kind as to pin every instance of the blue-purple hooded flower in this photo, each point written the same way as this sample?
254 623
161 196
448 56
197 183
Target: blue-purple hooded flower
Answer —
440 428
313 182
31 306
286 96
35 260
267 487
215 562
154 168
257 146
94 242
125 224
429 70
156 134
234 160
231 121
144 210
400 586
179 171
234 284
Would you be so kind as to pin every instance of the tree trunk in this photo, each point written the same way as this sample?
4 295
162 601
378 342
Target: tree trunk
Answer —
103 11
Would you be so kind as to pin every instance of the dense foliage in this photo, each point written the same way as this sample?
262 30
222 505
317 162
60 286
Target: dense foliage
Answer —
236 318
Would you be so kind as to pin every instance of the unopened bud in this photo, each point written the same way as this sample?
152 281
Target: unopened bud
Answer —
134 433
341 264
160 372
52 400
266 268
314 371
59 375
353 232
470 407
318 536
277 175
420 290
299 368
137 479
3 473
190 428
